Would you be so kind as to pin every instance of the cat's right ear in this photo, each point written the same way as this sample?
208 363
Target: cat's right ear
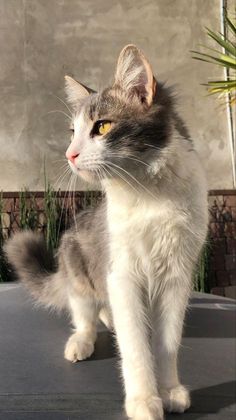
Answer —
134 74
75 91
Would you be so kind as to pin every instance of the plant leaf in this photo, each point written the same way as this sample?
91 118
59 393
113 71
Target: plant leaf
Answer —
230 24
225 60
228 83
227 45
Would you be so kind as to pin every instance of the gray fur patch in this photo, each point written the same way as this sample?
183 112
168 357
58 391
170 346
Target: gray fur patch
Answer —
81 260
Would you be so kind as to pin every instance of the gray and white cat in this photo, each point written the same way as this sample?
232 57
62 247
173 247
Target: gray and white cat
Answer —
130 261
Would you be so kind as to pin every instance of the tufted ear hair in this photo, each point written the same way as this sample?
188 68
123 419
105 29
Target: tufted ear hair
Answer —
134 74
75 91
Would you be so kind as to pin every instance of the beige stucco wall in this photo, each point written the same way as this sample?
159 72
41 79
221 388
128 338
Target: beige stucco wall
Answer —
41 40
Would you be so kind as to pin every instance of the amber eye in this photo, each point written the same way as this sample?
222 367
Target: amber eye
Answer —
101 127
104 127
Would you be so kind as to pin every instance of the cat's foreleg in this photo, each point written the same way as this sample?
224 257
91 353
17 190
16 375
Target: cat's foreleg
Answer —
133 336
105 317
84 313
166 339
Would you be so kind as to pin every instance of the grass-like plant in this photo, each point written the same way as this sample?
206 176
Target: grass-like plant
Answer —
52 214
27 211
201 278
224 56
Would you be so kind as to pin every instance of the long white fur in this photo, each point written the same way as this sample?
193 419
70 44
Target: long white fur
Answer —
156 233
155 239
84 312
154 243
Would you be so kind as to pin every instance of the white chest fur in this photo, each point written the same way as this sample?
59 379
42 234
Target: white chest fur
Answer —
141 230
155 234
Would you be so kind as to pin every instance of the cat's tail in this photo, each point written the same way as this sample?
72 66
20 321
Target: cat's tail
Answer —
35 268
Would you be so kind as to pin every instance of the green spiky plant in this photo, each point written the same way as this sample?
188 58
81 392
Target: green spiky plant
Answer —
201 277
224 56
51 213
27 211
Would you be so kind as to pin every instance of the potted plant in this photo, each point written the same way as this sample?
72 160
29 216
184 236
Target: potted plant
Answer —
223 55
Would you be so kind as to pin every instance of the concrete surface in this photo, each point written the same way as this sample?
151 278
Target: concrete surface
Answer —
36 383
42 40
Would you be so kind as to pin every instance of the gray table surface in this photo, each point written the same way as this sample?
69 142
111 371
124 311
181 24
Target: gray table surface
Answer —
37 383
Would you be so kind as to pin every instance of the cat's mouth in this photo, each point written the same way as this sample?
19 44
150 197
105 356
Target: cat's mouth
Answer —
89 174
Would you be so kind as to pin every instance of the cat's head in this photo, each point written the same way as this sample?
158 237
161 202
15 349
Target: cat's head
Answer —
120 132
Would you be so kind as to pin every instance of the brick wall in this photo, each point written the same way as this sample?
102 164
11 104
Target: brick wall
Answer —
222 229
68 204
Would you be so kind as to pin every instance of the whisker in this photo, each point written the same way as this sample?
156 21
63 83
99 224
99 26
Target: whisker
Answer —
64 103
105 170
60 111
62 208
132 177
61 178
73 202
65 165
153 147
122 177
128 157
56 181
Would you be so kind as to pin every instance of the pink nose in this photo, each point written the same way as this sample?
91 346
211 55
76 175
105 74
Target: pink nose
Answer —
71 156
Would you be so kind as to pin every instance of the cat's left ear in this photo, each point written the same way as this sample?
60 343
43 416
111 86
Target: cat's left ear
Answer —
134 74
75 91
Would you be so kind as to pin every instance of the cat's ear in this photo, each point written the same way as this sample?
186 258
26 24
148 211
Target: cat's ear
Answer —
134 74
75 91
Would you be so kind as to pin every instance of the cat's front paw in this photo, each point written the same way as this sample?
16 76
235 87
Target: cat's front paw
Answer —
78 348
175 400
144 408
